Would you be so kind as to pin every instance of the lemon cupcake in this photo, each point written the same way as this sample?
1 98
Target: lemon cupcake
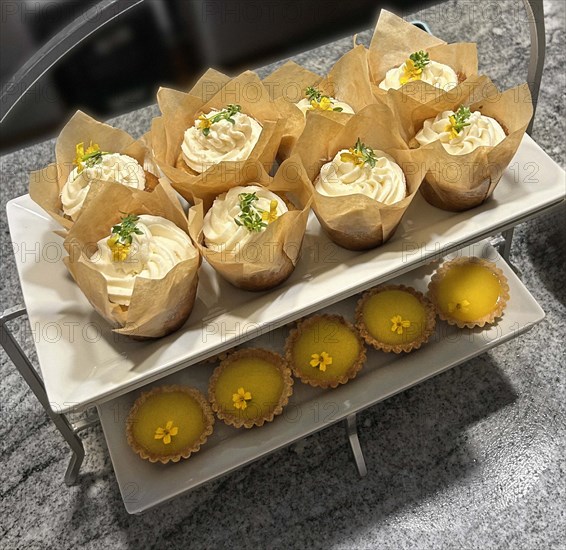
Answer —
469 292
250 387
325 351
395 318
169 423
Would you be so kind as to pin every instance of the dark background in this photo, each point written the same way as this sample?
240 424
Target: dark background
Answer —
160 42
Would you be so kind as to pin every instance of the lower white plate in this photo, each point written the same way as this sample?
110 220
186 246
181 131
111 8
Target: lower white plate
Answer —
144 485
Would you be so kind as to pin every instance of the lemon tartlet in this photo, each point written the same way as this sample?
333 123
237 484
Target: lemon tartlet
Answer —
250 387
469 292
169 423
325 351
395 318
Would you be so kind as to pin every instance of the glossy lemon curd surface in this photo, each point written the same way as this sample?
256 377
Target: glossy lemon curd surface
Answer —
468 292
380 308
157 410
332 337
255 375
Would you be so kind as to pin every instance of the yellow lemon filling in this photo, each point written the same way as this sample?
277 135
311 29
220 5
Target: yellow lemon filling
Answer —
394 317
168 422
468 292
249 388
325 350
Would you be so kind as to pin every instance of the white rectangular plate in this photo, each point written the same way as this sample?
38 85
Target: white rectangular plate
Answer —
83 362
144 485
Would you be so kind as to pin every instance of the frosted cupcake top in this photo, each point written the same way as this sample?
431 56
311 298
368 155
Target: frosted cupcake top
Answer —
315 100
420 67
461 132
139 246
238 215
94 164
363 170
226 135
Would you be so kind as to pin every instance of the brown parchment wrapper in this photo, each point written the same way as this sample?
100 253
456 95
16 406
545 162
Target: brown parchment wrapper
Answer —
460 182
394 39
45 185
358 222
270 257
180 110
348 80
158 306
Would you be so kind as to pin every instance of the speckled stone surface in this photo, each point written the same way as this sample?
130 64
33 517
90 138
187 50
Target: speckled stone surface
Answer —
472 459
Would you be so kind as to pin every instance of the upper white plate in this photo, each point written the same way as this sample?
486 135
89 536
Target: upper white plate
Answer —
83 362
144 485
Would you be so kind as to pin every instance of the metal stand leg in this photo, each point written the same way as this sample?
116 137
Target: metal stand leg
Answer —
25 368
352 429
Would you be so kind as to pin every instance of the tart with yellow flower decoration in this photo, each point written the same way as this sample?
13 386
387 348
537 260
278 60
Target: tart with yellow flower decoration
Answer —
250 387
325 351
469 292
395 318
169 423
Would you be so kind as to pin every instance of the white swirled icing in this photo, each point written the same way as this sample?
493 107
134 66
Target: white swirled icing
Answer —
225 142
437 74
160 247
305 105
385 182
482 131
221 232
112 167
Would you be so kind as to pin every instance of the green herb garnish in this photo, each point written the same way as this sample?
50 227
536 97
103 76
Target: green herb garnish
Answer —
124 230
420 59
320 101
360 154
226 114
250 217
459 120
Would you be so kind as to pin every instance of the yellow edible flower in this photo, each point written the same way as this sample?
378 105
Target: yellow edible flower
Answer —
119 251
80 154
452 128
325 104
460 306
410 72
398 324
270 216
241 399
321 361
166 433
353 156
203 122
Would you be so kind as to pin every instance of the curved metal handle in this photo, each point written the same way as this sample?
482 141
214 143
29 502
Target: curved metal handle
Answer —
59 46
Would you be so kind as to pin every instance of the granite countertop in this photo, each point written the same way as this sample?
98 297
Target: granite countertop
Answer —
472 458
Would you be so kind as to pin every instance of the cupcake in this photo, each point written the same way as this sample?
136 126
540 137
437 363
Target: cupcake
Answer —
419 66
169 423
218 136
325 351
469 292
460 132
250 387
315 100
133 259
395 318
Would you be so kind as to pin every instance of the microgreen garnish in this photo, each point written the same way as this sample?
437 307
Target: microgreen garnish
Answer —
359 154
320 101
413 67
225 114
250 217
88 158
121 239
459 120
420 59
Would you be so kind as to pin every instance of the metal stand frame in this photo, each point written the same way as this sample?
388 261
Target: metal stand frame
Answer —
48 56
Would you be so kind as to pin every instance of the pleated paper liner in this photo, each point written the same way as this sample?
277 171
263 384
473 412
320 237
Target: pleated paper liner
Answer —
348 80
45 185
180 110
358 222
192 447
394 40
264 413
158 306
270 256
461 182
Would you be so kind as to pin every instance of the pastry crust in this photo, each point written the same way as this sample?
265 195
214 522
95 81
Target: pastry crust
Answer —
208 418
430 320
238 421
315 382
481 321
